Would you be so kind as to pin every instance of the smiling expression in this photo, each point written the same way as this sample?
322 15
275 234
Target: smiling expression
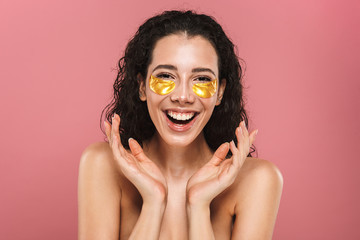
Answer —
186 70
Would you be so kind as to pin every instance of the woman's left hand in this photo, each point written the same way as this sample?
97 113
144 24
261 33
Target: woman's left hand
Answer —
219 173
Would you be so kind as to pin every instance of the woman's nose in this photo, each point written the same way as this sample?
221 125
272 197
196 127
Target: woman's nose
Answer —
183 93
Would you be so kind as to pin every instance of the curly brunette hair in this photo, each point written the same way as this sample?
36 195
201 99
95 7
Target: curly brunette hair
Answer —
134 115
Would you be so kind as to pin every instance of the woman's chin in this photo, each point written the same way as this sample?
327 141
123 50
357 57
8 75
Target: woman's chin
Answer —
181 141
179 144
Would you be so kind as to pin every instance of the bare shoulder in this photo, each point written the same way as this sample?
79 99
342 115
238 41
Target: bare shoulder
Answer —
97 166
256 169
98 158
96 152
258 176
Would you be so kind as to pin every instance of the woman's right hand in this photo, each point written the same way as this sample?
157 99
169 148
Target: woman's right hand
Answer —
136 166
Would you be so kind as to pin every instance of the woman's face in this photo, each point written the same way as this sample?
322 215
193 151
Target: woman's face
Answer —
180 114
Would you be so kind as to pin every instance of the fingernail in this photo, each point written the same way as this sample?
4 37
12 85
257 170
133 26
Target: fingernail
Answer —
113 116
244 124
129 140
256 132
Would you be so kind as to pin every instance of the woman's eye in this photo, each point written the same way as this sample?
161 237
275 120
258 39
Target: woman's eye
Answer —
164 76
203 79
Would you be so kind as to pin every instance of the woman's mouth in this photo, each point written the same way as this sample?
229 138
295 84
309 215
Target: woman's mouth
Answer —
180 121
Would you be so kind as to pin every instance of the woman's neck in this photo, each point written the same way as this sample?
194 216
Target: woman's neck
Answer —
178 162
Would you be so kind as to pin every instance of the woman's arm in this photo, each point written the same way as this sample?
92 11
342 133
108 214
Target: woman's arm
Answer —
99 194
212 179
199 222
256 213
145 176
149 222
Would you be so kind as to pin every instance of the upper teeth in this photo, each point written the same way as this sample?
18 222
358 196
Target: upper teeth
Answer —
180 116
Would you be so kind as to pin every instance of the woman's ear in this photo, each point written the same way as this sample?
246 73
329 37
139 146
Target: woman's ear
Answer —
142 88
221 91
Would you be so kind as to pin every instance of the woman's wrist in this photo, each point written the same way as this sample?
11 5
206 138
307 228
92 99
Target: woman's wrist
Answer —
194 201
157 201
197 208
199 221
158 205
154 210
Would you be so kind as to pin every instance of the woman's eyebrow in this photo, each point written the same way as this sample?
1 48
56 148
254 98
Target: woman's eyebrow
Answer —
166 66
194 70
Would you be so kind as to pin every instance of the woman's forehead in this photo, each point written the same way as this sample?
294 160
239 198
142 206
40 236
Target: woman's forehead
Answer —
184 53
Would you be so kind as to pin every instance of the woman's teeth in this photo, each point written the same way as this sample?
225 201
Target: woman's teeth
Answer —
180 116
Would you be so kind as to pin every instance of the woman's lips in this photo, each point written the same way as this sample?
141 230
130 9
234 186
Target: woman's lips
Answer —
176 116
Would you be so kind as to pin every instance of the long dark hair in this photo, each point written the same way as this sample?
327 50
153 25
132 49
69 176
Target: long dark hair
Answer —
134 115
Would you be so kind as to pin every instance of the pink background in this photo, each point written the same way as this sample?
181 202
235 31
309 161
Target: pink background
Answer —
56 71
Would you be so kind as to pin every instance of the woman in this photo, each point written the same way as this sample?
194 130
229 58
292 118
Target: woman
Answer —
177 162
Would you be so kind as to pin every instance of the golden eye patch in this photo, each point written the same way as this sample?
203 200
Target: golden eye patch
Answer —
205 90
163 87
160 86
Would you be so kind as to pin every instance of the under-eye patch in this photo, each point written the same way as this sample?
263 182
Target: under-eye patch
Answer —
160 86
163 87
205 90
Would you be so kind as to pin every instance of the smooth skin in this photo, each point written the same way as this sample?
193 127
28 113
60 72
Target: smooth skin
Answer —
176 187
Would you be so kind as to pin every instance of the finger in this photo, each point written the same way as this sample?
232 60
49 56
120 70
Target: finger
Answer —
107 130
244 129
239 136
245 135
220 154
235 152
244 132
243 141
115 147
115 132
253 136
119 151
233 148
115 126
136 150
